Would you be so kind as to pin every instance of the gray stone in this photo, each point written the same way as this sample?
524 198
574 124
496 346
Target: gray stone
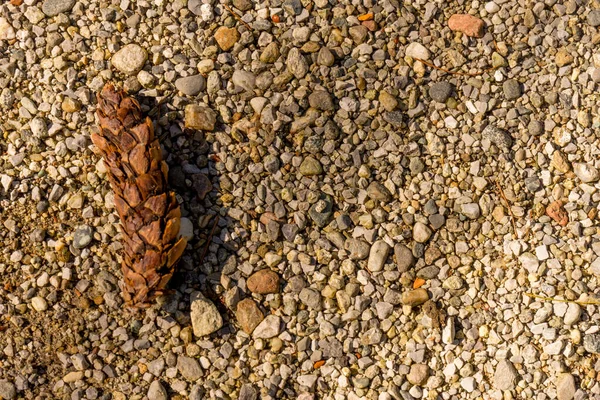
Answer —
268 328
157 391
130 59
565 387
54 7
311 298
83 236
593 18
358 248
404 257
440 91
471 210
535 127
506 376
248 392
325 57
497 136
244 80
378 255
379 192
204 315
591 343
189 368
512 89
191 85
8 391
321 211
533 184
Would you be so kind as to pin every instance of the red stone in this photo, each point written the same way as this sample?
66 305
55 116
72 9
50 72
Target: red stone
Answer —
556 211
263 282
467 24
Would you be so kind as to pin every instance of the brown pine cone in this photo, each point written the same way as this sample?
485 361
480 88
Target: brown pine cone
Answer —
149 212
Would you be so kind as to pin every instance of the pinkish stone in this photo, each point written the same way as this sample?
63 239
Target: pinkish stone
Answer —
467 24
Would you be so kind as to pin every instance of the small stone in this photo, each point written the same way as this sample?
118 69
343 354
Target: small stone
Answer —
7 32
388 101
226 37
296 63
189 368
204 315
573 314
191 85
415 297
586 172
468 384
418 374
325 57
243 5
565 386
310 167
498 136
404 257
321 211
198 117
82 237
467 24
506 376
591 343
263 282
74 376
421 232
378 192
440 91
358 248
492 7
512 89
417 50
471 210
593 18
70 105
557 212
449 331
321 100
130 59
270 54
311 298
157 391
249 315
54 7
39 303
561 162
563 57
268 328
378 255
244 80
8 391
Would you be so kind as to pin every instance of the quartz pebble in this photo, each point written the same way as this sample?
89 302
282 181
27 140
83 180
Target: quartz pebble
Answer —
204 315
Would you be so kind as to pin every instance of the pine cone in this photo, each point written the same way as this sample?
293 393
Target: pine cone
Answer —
149 212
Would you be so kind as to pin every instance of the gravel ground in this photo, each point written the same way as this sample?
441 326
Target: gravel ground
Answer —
383 200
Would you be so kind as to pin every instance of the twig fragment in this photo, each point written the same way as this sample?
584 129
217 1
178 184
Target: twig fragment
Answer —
209 240
237 17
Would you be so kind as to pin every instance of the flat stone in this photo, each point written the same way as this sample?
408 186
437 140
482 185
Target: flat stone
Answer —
54 7
404 257
573 314
130 59
311 298
226 37
7 32
268 328
378 255
388 101
157 391
593 18
244 80
296 63
249 315
270 54
358 248
204 315
322 210
199 117
191 85
506 376
415 297
39 303
467 24
263 282
73 376
565 387
189 368
378 192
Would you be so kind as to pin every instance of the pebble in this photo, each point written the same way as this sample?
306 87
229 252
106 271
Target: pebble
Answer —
505 376
263 282
378 255
130 59
418 374
591 343
449 331
468 383
467 24
440 91
8 390
492 7
244 80
497 136
415 297
191 85
512 89
404 257
249 315
379 192
573 314
39 304
189 368
199 117
565 387
310 167
417 50
157 391
82 237
54 7
421 232
586 172
268 328
226 38
204 315
321 100
593 18
556 211
296 63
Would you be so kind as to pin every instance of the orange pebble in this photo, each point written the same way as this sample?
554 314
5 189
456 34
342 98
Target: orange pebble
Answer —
275 18
418 283
319 364
365 17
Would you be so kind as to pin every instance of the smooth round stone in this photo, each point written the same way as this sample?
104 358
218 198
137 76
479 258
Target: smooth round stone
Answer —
492 7
191 85
421 232
39 303
130 59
